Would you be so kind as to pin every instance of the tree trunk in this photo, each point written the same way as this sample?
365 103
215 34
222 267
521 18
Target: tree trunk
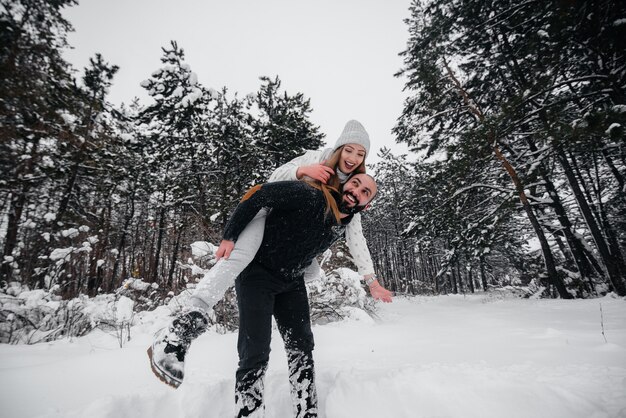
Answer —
459 275
16 209
159 243
10 241
471 281
610 263
615 172
170 275
483 276
122 242
550 265
455 288
576 247
548 258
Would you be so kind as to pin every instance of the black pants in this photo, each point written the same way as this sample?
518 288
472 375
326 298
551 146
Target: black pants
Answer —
261 294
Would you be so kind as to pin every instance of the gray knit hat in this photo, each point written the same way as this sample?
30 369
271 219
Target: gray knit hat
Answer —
354 133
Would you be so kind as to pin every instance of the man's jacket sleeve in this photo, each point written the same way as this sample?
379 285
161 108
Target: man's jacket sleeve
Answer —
286 195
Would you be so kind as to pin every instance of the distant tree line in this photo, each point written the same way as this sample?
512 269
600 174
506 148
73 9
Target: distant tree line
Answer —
517 111
90 193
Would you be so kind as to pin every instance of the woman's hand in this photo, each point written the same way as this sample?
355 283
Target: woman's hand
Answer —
315 171
380 293
225 248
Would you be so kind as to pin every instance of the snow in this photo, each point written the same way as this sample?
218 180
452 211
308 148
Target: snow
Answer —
612 127
619 22
202 249
60 253
448 356
136 284
68 118
213 94
29 223
178 92
71 233
124 309
191 97
49 217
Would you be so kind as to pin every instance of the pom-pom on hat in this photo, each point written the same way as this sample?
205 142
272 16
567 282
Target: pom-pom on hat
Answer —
354 133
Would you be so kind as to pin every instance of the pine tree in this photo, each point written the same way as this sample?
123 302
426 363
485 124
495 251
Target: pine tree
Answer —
234 156
35 91
173 133
517 78
283 129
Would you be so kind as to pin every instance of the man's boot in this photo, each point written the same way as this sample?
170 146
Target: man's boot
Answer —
249 387
170 345
302 382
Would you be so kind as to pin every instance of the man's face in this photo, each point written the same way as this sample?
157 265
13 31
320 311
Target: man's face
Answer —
358 191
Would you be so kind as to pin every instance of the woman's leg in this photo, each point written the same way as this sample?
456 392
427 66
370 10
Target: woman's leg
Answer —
222 275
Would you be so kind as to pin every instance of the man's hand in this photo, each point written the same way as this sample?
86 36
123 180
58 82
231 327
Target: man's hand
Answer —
315 171
225 248
380 293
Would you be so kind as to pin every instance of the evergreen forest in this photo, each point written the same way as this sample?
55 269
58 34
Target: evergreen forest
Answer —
515 119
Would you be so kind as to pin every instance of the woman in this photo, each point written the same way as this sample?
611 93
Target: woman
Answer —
331 166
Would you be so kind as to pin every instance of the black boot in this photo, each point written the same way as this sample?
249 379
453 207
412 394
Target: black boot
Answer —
170 345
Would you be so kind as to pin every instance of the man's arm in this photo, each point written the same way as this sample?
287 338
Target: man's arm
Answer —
280 195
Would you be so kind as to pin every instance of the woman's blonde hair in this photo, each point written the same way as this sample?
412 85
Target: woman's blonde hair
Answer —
327 191
331 202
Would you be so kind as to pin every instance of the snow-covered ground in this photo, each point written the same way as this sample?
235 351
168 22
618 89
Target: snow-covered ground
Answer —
447 356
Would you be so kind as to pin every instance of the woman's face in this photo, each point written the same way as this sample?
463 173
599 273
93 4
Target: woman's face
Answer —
352 155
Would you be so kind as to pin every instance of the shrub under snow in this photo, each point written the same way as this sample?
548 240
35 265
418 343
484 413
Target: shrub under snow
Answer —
31 316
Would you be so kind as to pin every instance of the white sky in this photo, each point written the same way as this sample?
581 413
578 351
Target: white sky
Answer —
341 54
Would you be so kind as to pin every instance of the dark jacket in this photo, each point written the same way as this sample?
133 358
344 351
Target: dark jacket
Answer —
297 228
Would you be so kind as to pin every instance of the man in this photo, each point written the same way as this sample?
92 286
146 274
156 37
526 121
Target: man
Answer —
300 226
304 220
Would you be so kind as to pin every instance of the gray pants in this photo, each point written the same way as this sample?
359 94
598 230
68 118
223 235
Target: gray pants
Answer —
222 275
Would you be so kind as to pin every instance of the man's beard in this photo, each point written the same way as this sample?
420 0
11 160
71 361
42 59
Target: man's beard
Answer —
345 209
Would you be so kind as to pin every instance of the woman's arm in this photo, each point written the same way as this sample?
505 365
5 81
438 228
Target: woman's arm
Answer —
362 258
288 171
358 246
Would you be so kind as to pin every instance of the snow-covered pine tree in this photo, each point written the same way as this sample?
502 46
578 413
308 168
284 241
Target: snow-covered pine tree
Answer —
35 92
429 235
172 130
82 184
282 128
522 69
235 157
